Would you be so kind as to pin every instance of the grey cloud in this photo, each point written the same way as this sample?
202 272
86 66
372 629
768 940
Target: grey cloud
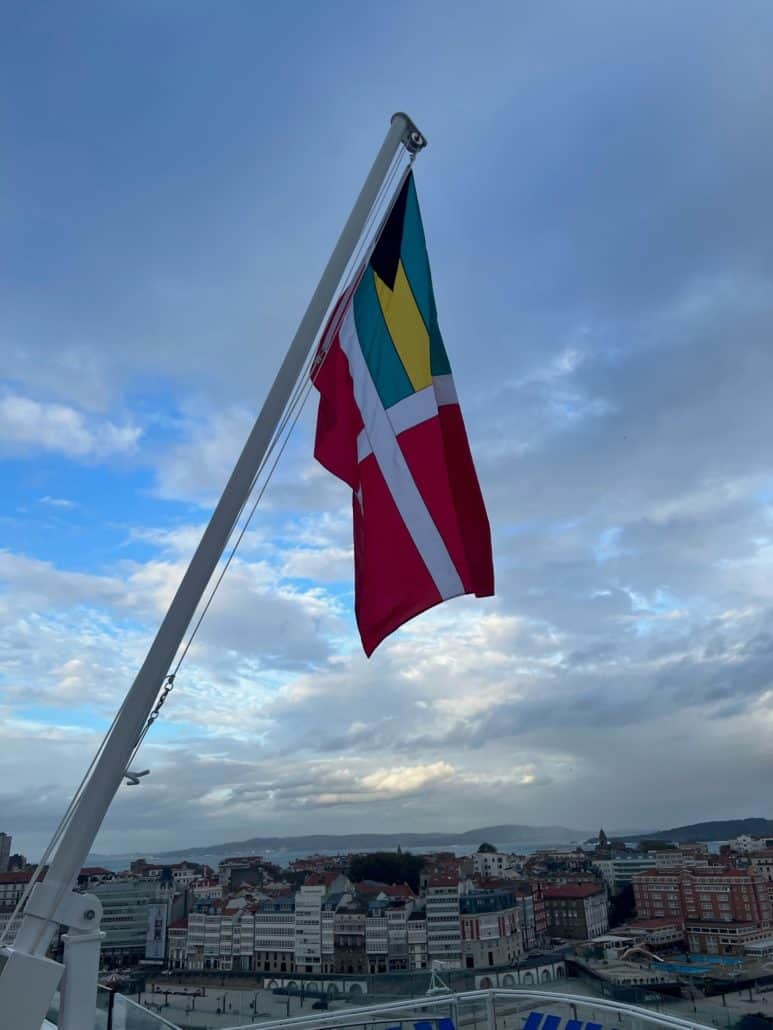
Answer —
603 257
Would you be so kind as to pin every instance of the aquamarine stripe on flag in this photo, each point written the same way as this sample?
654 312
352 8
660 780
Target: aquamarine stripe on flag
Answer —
413 254
381 357
438 359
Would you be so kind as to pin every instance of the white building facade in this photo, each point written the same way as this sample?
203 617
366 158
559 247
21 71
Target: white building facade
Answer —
308 928
444 937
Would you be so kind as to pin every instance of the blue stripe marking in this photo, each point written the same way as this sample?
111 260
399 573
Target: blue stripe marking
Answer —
533 1021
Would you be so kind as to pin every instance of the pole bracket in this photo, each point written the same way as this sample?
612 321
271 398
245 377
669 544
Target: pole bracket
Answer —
77 911
412 139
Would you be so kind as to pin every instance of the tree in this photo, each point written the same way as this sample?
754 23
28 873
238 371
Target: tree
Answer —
622 907
486 849
387 867
273 871
656 845
295 877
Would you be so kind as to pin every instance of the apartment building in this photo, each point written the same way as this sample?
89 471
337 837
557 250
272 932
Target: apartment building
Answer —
490 928
722 910
308 927
493 865
658 893
127 905
444 938
762 863
617 872
274 921
350 954
5 851
377 936
576 911
416 931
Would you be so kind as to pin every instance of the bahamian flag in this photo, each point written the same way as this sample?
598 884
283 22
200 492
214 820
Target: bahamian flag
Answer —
389 425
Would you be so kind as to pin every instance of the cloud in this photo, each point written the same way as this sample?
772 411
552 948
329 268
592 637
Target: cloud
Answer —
406 778
58 502
40 585
198 467
322 565
30 425
604 272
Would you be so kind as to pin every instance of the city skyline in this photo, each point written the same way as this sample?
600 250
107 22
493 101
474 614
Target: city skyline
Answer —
598 228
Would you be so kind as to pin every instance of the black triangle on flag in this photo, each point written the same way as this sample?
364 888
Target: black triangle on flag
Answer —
386 256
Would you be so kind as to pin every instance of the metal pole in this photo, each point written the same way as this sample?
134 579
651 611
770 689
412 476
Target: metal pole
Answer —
37 929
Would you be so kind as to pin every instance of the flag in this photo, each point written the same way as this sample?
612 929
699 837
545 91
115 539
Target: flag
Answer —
389 425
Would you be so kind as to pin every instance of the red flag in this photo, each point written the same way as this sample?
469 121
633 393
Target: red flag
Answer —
389 425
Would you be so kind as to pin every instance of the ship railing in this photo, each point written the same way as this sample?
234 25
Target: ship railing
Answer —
494 1009
114 1011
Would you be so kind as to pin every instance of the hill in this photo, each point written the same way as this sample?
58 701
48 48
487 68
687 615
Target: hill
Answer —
506 834
722 829
373 841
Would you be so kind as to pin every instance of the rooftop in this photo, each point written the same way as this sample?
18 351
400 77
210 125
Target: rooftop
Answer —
650 924
389 890
572 890
19 876
321 879
443 880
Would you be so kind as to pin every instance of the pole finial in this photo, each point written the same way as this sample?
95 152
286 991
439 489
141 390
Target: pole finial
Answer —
412 139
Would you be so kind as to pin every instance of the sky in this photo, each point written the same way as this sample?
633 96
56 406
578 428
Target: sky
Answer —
596 200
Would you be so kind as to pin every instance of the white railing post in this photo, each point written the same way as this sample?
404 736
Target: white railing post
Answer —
491 1011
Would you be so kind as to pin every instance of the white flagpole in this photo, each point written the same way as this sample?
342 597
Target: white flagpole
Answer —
29 979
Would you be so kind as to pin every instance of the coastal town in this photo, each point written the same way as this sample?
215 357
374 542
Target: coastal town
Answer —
384 913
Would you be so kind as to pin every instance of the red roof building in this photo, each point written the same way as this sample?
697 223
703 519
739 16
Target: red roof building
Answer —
577 911
721 909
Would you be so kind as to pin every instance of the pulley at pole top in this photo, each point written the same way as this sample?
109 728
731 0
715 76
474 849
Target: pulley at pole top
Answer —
412 139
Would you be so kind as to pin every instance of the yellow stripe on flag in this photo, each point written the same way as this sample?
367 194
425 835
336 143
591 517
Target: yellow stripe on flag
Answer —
406 327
